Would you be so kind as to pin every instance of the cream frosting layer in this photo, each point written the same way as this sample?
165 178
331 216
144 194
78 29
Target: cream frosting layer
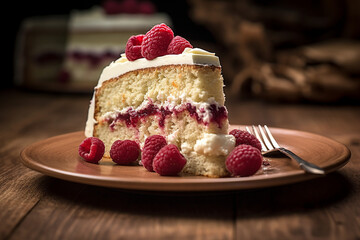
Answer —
190 56
215 144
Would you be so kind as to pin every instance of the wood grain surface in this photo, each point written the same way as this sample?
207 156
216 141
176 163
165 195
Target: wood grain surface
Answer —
35 206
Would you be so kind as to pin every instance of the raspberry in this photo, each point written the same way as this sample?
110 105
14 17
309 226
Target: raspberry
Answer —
152 146
112 7
244 137
129 6
124 152
156 41
92 149
147 7
244 160
169 161
177 45
133 47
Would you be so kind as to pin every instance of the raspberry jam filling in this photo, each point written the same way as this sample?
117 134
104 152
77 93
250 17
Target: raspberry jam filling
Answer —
94 59
131 117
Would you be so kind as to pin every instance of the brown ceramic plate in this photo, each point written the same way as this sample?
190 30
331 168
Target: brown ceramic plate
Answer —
58 157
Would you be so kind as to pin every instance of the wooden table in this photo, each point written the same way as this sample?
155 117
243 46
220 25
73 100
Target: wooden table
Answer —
34 206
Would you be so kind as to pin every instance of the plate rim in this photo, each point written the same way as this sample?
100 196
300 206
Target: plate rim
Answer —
172 184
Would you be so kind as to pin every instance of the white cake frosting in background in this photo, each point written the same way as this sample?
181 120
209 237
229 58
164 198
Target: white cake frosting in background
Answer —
96 17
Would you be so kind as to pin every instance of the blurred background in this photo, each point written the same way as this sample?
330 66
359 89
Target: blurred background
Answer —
291 51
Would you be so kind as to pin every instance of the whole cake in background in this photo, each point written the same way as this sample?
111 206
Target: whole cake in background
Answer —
69 52
163 86
98 36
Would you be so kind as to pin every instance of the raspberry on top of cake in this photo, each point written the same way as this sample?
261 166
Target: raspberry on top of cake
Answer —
164 86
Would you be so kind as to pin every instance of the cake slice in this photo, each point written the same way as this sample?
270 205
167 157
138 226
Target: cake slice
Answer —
178 96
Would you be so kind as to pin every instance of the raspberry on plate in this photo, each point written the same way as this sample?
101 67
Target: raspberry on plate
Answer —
92 149
156 41
124 152
152 146
169 161
133 47
244 160
177 45
244 137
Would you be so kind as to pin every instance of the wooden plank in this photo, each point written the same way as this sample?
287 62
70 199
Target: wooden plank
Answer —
310 210
324 208
103 213
26 118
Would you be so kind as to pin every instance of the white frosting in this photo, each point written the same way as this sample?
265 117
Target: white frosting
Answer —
96 18
89 128
190 56
215 144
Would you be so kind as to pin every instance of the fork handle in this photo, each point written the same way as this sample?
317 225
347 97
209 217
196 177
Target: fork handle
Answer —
308 167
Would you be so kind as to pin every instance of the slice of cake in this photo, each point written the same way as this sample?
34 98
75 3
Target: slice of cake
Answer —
178 96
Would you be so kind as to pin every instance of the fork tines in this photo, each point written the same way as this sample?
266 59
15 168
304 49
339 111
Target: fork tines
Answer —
264 136
269 145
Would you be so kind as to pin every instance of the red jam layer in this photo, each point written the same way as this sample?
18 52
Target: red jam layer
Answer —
131 117
94 59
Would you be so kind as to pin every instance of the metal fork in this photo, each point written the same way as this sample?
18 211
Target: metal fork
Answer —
269 145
